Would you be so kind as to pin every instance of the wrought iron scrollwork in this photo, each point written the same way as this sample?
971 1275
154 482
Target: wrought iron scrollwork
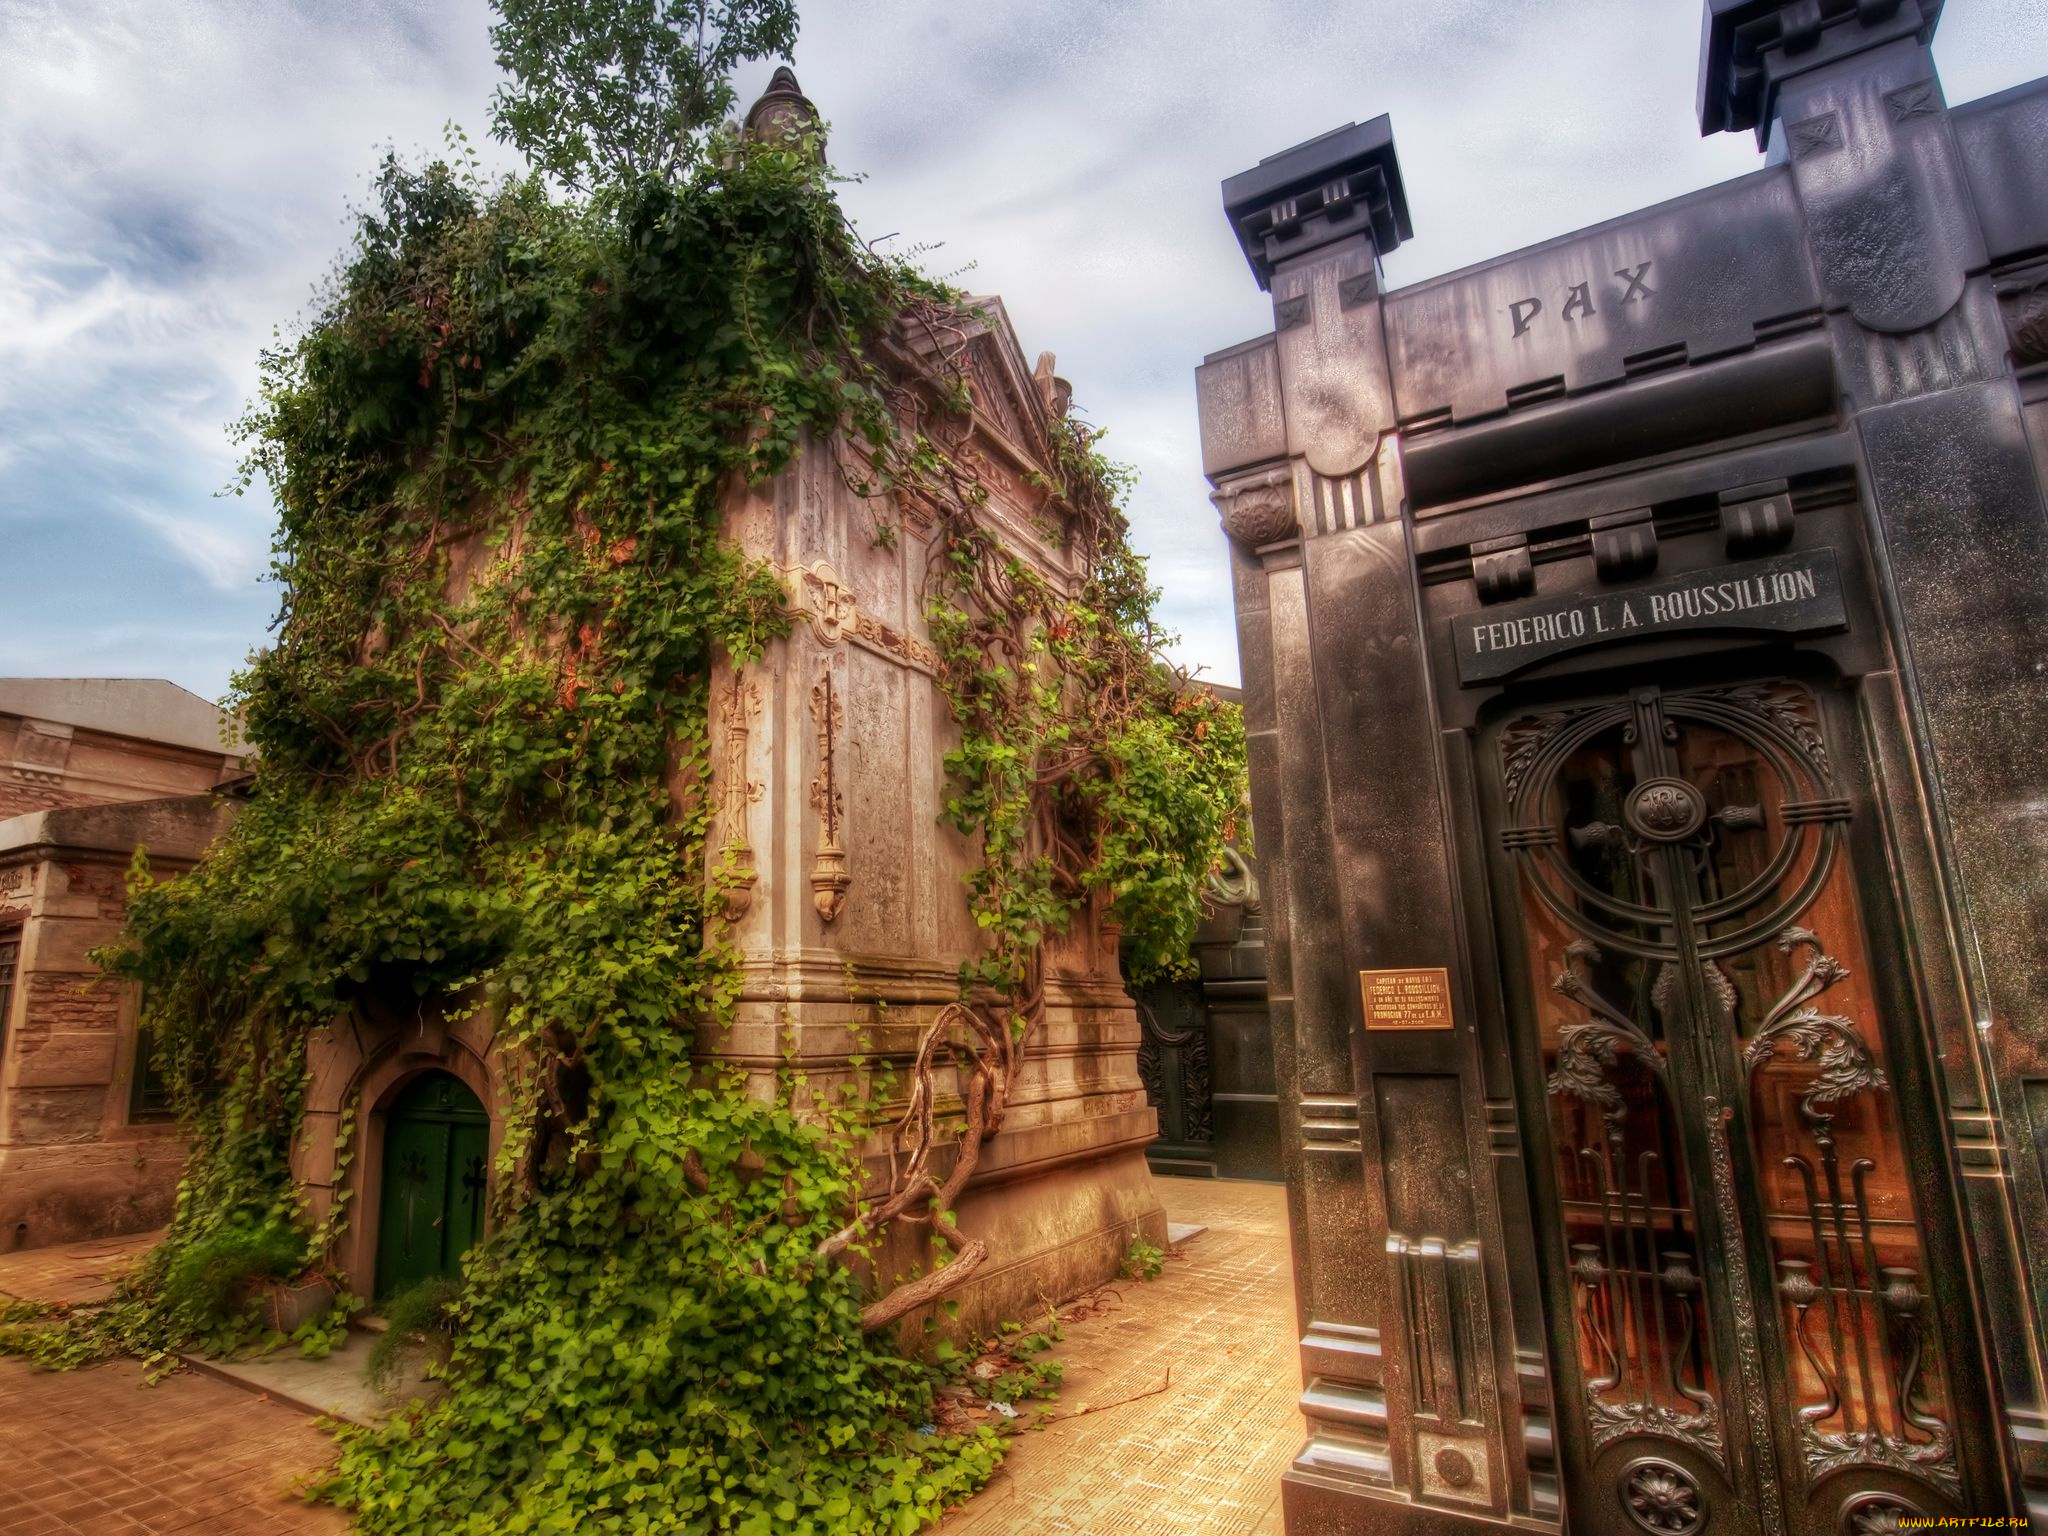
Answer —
1588 1051
1870 1311
1188 1050
1667 841
1637 1299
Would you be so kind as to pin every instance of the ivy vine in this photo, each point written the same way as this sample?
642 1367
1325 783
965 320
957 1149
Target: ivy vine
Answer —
499 453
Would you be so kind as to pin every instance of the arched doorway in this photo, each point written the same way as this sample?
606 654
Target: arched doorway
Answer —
436 1169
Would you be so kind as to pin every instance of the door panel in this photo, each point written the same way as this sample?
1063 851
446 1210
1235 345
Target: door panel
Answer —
436 1138
1736 1278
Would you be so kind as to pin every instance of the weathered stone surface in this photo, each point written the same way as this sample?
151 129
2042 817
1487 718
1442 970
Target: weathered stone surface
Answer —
71 1162
1829 366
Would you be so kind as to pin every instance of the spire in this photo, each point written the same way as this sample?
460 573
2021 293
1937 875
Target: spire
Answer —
783 111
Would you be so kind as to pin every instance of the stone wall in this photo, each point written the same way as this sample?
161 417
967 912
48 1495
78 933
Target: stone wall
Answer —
831 755
93 741
75 1159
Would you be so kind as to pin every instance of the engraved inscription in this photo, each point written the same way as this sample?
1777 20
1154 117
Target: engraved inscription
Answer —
1576 302
1416 998
1787 594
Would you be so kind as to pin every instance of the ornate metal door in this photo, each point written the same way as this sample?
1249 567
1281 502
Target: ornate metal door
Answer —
1738 1264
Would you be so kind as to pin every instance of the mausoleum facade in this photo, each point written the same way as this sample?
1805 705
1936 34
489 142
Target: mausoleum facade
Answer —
1644 638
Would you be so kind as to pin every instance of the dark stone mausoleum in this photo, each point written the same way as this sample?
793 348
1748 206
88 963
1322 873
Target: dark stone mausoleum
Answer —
1645 647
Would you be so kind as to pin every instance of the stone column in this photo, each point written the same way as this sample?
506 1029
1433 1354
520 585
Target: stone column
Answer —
1393 1200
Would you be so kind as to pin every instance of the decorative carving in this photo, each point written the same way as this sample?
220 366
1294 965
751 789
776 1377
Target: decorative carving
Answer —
1788 708
1911 101
1233 882
1188 1045
1619 1299
2026 322
1359 288
1742 1308
1520 742
1288 313
829 875
736 793
1881 1305
1846 1066
1439 1284
904 647
1624 544
41 752
993 396
1879 1514
1503 569
1666 810
819 596
1814 135
1258 510
1661 1497
1756 520
1589 1051
1453 1467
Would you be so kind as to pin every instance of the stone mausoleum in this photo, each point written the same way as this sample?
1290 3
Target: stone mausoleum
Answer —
851 915
1645 647
90 770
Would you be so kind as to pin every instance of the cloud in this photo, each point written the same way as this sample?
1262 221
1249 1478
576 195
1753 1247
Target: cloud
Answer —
175 177
226 557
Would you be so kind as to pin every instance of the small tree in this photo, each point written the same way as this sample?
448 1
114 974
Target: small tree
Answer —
624 89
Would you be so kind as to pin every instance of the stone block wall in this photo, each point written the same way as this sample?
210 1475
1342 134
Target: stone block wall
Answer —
829 753
76 1159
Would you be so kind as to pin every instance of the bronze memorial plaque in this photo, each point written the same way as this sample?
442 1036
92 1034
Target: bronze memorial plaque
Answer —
1418 998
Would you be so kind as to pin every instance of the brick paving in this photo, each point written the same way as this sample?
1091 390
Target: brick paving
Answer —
1204 1456
98 1453
72 1271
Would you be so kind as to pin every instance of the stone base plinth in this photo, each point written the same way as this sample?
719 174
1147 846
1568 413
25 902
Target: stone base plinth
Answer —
62 1193
1058 1207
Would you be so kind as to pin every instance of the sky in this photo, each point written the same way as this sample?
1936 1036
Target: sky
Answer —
176 178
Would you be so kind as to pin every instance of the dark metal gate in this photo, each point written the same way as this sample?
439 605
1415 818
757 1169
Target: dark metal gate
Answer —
1743 1285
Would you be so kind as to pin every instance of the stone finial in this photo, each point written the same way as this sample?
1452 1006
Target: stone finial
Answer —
1056 393
783 111
1344 184
1749 47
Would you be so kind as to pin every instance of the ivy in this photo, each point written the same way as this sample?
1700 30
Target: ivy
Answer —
499 453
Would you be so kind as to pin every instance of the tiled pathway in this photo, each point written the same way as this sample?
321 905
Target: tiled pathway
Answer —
100 1453
1204 1456
97 1453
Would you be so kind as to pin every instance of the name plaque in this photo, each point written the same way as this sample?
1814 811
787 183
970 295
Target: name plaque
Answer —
1786 594
1417 998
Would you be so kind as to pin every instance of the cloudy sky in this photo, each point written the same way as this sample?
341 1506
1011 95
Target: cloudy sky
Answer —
175 177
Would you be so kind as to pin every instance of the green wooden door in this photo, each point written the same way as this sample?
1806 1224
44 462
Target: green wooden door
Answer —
436 1148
